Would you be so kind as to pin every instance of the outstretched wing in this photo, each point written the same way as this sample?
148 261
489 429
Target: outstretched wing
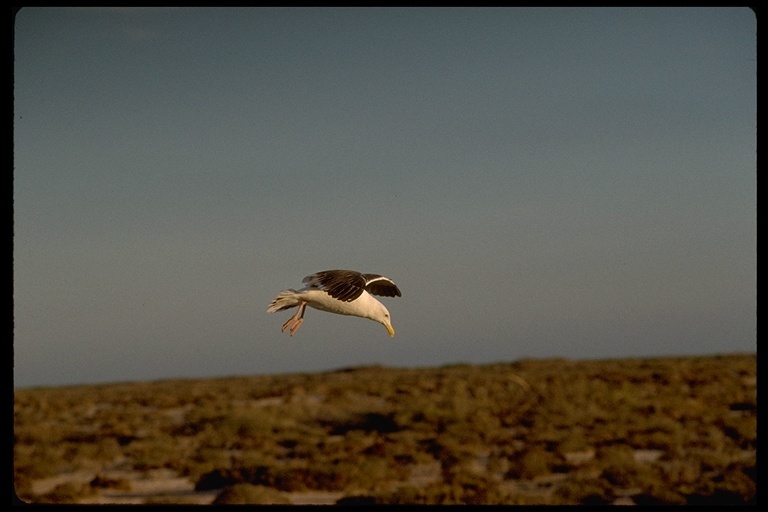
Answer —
344 285
347 285
380 285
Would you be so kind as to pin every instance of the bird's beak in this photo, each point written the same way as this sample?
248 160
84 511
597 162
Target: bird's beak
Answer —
390 330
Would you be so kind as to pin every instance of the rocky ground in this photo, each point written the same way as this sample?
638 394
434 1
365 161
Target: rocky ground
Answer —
634 431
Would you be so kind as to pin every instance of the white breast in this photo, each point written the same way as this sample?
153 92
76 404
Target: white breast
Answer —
318 299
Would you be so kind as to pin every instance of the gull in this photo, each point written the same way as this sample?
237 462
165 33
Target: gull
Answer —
344 292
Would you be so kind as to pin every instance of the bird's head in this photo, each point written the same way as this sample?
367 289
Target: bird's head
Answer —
384 319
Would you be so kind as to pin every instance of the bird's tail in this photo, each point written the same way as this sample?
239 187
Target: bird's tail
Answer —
286 299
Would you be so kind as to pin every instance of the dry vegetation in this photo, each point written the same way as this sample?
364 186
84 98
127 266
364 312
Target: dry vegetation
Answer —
645 431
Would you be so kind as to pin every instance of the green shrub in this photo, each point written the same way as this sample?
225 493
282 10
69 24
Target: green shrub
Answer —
68 492
102 482
362 430
577 490
530 463
249 494
468 491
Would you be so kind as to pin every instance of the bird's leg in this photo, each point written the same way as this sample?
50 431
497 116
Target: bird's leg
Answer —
302 310
295 321
289 322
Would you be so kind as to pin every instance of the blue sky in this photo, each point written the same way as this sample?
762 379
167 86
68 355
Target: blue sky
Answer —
539 182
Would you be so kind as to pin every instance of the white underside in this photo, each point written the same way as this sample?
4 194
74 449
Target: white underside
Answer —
365 306
318 299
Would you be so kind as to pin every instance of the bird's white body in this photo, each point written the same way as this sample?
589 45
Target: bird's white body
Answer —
343 292
364 306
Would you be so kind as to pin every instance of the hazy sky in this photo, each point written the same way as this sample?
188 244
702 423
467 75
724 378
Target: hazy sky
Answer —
540 182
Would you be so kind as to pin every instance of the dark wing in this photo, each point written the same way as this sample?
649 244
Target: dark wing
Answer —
344 285
380 285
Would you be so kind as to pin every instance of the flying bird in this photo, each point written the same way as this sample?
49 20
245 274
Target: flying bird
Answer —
344 292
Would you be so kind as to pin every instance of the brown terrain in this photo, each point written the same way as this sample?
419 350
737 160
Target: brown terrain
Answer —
634 431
